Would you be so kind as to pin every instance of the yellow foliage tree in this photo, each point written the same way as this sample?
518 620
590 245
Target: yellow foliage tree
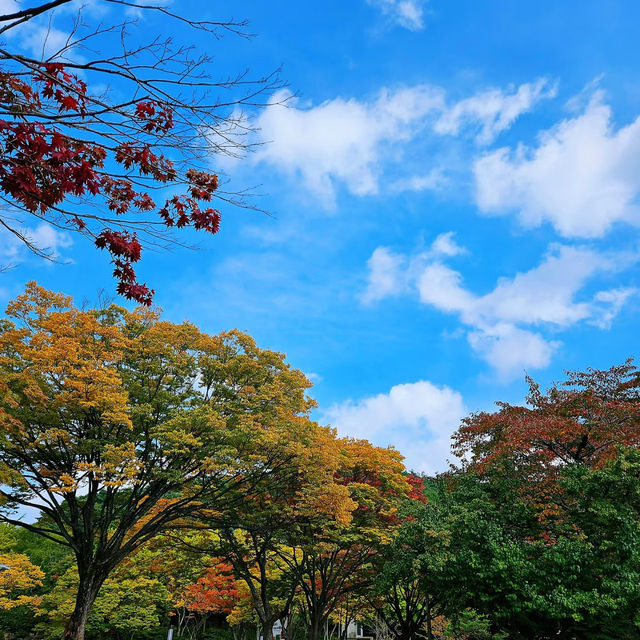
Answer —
332 559
18 577
117 425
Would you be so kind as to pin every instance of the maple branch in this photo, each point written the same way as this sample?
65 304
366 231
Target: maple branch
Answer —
65 149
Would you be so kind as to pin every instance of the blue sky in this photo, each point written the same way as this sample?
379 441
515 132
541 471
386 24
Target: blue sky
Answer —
454 195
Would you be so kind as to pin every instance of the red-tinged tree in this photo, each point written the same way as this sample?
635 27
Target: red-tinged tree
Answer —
417 488
583 421
215 592
92 145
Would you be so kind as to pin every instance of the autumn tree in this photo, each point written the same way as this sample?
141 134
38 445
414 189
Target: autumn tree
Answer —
268 585
51 558
301 493
178 568
333 559
18 579
117 146
215 593
580 421
255 533
117 425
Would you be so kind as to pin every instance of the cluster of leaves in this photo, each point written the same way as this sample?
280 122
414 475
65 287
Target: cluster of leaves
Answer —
42 165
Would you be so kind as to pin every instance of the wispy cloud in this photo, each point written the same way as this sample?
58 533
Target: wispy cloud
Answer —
494 111
43 237
503 326
353 143
341 141
404 13
391 274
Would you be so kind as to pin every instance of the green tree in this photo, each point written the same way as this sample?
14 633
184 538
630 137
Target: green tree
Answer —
485 550
131 600
403 596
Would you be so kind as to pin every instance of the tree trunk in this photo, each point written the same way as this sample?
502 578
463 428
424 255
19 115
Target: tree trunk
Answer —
87 593
315 630
267 631
429 630
78 621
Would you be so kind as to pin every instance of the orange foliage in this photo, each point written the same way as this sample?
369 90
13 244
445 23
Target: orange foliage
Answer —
215 592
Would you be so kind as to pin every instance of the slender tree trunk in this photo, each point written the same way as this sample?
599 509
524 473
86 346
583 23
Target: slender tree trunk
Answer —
429 630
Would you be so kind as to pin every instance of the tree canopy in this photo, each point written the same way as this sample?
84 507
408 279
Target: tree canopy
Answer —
179 476
117 424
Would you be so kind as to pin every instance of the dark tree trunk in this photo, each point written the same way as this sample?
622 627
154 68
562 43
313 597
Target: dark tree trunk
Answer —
88 589
316 629
429 630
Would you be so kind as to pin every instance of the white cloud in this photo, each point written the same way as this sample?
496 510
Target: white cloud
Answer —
441 287
582 177
341 140
610 302
445 245
38 36
49 239
316 378
44 41
390 274
355 143
405 13
417 418
45 237
387 275
500 323
511 350
432 181
493 111
545 294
